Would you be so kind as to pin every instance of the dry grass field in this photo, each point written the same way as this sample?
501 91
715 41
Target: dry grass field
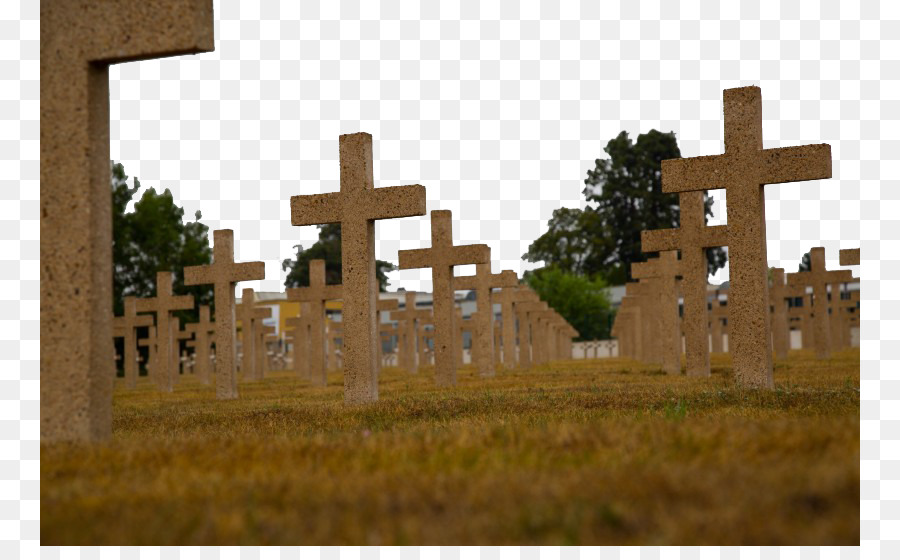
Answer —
578 452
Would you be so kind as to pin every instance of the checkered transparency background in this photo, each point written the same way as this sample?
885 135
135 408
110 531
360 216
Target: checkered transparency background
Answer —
498 109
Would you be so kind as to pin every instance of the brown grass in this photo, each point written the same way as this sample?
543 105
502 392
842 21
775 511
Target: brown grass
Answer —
580 452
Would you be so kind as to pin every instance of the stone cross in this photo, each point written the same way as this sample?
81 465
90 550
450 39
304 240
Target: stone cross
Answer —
301 340
223 273
743 170
381 305
246 313
356 207
462 325
508 297
844 314
385 333
202 331
316 294
441 258
79 41
150 343
718 313
692 238
626 328
525 310
664 271
125 325
409 330
260 351
334 333
177 336
779 293
162 305
423 335
483 282
818 279
646 297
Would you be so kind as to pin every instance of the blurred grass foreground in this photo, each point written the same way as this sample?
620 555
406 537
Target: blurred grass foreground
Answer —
577 452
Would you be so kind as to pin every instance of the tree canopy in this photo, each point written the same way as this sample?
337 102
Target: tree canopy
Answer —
581 300
328 248
154 238
624 196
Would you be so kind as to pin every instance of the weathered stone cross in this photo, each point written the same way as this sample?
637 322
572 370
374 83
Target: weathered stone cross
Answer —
664 270
79 41
300 340
223 273
163 304
177 335
779 292
356 207
125 325
441 258
526 308
692 238
818 278
409 331
202 330
250 316
381 305
743 170
316 294
483 282
150 343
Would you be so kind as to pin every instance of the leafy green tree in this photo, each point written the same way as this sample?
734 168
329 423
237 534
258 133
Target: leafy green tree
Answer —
153 238
583 301
624 196
328 248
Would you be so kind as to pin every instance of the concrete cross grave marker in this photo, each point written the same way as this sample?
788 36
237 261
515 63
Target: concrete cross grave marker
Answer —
316 294
300 339
742 171
382 305
441 257
250 316
202 331
508 297
409 330
125 325
664 270
356 207
718 314
177 336
483 282
779 293
818 279
79 41
693 237
150 343
162 305
223 274
528 343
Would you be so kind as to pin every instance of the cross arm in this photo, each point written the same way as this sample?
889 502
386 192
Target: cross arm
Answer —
182 302
395 202
796 163
315 209
848 257
643 270
695 174
414 258
470 254
240 272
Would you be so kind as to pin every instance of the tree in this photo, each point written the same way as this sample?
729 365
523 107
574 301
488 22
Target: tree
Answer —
583 301
154 238
328 248
624 196
804 263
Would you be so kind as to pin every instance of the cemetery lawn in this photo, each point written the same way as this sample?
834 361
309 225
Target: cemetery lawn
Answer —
577 452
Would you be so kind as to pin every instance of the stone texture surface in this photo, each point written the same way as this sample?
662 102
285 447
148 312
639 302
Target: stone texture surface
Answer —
245 313
718 314
260 352
149 342
664 270
743 170
204 331
178 334
411 322
300 336
316 294
162 305
508 297
124 326
223 274
484 282
818 278
79 40
848 257
526 311
356 207
779 292
693 237
441 258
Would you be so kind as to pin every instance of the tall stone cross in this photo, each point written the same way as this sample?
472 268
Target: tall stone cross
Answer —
356 207
247 313
125 325
79 41
162 305
779 293
664 270
381 305
693 237
441 258
150 343
508 297
316 294
177 336
202 330
223 274
818 278
300 328
742 171
525 312
718 313
646 297
410 319
483 282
